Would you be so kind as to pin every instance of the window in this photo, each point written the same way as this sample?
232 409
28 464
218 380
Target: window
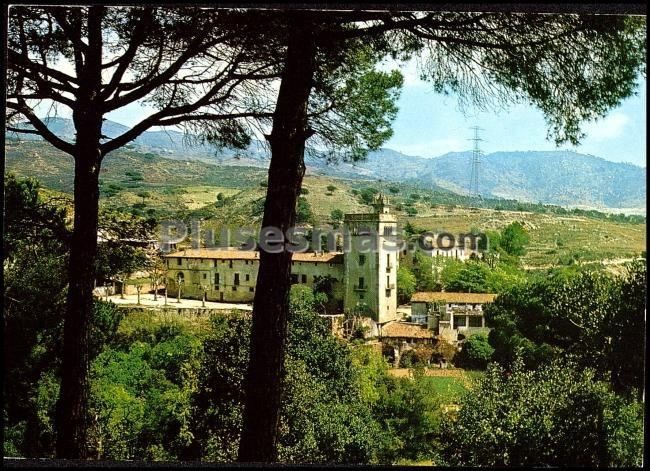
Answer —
236 279
230 264
304 278
251 289
215 263
475 321
179 261
460 321
294 279
216 279
388 282
388 293
205 276
387 262
362 260
361 282
248 277
234 288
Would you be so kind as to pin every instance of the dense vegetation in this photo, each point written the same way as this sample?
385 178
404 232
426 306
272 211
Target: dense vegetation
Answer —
170 388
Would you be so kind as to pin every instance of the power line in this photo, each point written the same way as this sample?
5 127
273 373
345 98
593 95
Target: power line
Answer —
477 153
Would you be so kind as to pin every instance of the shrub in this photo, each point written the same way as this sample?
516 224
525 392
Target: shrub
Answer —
476 353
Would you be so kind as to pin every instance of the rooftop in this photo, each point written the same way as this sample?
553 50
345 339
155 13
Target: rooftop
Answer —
397 329
233 254
450 297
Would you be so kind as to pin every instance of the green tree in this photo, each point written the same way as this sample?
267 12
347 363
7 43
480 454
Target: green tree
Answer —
557 415
144 195
476 353
321 418
196 85
471 278
411 211
406 284
589 315
304 213
514 239
337 217
367 195
34 289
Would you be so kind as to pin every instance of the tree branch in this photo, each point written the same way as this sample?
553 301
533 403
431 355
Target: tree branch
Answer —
23 131
124 61
42 129
155 82
18 60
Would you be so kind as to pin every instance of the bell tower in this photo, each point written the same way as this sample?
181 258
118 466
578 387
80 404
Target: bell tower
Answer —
371 262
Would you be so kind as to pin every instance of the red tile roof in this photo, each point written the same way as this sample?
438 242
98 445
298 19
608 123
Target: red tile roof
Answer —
397 329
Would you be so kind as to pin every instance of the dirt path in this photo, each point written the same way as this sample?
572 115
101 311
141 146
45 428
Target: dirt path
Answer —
435 372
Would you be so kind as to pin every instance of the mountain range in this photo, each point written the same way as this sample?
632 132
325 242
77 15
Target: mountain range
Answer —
554 177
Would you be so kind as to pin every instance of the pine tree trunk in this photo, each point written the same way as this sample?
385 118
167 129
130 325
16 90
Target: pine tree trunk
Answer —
72 419
271 304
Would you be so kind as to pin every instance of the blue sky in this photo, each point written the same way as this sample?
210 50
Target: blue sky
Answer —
429 125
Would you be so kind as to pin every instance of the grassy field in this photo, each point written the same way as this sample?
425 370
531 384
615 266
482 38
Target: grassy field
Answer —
448 384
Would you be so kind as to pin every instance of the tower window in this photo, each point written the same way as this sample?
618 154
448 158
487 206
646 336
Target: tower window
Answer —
362 260
236 279
179 261
248 277
216 279
361 282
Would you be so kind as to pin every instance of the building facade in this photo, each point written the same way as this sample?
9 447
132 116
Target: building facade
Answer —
362 279
231 275
371 263
449 314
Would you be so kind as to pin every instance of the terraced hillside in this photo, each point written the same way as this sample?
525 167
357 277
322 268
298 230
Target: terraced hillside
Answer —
234 196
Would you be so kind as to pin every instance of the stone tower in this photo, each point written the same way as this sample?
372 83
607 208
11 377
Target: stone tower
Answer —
370 264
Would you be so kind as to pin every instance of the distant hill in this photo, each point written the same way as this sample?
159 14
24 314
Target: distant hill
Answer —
552 177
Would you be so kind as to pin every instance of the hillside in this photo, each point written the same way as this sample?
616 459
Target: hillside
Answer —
159 187
550 177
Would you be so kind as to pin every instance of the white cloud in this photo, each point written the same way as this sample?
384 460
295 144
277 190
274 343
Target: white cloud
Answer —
610 127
